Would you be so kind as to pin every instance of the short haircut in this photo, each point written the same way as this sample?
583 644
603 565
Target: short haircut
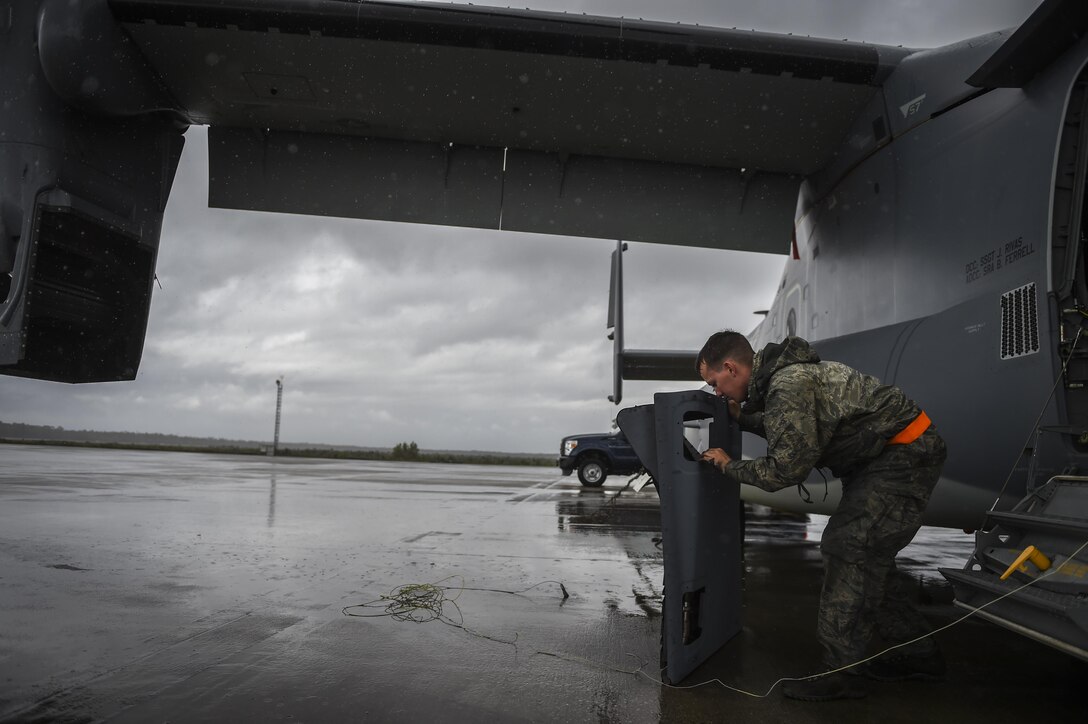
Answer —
722 346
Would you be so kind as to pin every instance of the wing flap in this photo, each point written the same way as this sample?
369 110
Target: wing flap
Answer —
354 177
440 183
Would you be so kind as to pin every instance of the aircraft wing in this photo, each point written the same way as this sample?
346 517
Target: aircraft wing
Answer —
511 119
1047 33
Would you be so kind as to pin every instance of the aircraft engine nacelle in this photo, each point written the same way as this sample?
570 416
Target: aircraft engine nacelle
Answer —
86 164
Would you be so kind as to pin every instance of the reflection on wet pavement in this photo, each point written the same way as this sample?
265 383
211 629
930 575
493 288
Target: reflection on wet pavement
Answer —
147 586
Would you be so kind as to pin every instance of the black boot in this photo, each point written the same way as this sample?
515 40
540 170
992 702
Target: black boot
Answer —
825 688
907 667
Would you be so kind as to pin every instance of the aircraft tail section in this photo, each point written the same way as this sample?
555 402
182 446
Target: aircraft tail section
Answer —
639 364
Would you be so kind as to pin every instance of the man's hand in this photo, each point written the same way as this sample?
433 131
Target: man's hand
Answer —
734 408
718 457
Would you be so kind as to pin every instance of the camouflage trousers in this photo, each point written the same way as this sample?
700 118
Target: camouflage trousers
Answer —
879 514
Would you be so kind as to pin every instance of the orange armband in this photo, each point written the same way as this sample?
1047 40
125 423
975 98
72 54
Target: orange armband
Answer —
913 431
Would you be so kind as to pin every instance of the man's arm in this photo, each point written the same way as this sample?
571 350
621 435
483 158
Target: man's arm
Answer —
793 448
752 422
748 421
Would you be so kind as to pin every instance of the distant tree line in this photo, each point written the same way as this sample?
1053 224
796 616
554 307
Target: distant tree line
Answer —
18 433
406 451
53 433
452 457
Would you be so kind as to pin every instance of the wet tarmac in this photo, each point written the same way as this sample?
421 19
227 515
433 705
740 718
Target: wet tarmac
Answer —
143 587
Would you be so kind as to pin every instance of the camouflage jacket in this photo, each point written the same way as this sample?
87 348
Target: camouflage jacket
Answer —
814 414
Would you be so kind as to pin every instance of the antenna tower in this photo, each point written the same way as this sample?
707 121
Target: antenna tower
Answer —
279 405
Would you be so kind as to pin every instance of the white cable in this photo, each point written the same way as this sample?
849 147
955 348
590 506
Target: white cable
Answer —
947 626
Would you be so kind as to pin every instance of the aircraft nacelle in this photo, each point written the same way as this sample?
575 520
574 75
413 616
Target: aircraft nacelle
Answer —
82 196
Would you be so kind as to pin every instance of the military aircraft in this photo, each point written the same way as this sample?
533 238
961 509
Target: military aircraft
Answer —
931 200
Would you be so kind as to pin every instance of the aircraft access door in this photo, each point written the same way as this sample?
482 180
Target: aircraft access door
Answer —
700 525
1069 269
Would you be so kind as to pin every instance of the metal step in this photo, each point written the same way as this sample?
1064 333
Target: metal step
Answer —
1057 620
990 587
1052 523
1053 608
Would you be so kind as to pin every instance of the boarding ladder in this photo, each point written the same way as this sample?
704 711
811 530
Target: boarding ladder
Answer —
1041 542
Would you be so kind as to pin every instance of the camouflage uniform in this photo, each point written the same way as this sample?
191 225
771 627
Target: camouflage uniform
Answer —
824 414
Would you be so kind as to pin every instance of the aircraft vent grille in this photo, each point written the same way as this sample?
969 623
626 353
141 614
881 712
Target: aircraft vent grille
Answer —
1019 322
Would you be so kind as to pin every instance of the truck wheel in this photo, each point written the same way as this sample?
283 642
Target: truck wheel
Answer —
592 473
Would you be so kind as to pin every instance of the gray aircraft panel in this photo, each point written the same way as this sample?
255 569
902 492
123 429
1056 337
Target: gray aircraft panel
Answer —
350 176
646 201
354 177
700 525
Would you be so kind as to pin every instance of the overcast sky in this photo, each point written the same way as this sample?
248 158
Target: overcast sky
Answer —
453 338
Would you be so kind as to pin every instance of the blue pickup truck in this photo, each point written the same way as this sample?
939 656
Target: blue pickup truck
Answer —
596 456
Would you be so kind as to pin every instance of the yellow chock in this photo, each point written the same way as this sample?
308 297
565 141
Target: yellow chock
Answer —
1031 553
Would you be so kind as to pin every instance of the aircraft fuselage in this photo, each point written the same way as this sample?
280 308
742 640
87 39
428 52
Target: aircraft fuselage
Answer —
932 258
